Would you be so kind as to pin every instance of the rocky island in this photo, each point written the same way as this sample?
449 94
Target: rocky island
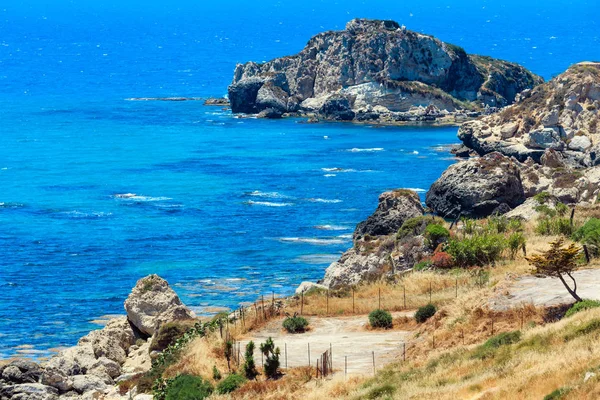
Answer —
378 71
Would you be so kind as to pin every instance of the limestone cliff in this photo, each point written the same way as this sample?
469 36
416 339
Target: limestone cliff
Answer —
376 67
560 115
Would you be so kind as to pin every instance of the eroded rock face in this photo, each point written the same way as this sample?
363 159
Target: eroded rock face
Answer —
353 268
562 114
152 302
477 188
394 208
380 63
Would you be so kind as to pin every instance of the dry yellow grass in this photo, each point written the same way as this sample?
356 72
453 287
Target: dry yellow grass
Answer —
540 363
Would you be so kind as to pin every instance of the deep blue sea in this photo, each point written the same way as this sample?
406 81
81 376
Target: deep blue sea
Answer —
97 191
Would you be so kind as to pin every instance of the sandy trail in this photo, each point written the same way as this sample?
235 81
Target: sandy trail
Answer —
348 337
548 291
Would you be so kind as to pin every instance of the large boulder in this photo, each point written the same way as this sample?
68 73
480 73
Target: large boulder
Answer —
477 188
337 108
394 208
152 302
353 268
28 391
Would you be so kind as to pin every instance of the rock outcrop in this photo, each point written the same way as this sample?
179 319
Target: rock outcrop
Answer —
90 369
477 188
376 69
549 141
560 115
376 250
394 209
152 302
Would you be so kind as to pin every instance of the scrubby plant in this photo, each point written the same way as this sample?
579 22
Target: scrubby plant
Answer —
436 234
488 349
380 319
271 354
589 235
168 333
516 242
557 262
249 366
230 384
423 265
188 387
216 373
416 226
442 260
478 250
295 324
228 351
424 313
498 223
542 197
469 226
582 306
558 394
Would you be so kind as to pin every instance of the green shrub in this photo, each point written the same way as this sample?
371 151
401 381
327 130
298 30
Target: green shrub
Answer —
230 384
516 242
416 226
380 319
249 366
561 209
547 226
188 387
378 392
583 330
436 234
168 333
589 234
542 197
295 324
271 354
478 250
498 223
423 265
488 349
582 306
424 313
216 373
558 394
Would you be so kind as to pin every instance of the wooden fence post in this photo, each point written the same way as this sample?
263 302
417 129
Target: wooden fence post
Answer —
309 354
352 300
380 298
263 307
373 363
327 310
345 366
404 289
404 351
302 304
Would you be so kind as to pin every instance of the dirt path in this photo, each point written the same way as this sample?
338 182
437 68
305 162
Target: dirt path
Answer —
548 291
348 337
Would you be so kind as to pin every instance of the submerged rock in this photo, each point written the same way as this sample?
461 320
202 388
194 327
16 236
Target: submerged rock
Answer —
477 188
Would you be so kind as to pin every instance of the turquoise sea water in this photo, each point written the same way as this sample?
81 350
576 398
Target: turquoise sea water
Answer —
97 191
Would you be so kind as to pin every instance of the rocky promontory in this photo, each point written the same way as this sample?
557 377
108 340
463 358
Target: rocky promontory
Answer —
548 141
378 71
102 358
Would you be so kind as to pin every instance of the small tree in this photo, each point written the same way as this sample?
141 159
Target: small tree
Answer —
228 353
271 358
558 261
249 366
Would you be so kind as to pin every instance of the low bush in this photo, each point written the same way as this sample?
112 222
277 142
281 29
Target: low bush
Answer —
547 226
230 384
516 242
295 324
558 394
498 223
380 319
488 349
271 355
589 234
216 373
423 265
582 306
188 387
442 260
424 313
436 234
168 333
478 250
413 227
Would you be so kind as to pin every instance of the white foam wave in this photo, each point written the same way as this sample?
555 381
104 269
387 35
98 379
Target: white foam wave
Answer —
329 175
358 150
135 197
418 190
270 195
332 227
268 204
318 200
315 241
